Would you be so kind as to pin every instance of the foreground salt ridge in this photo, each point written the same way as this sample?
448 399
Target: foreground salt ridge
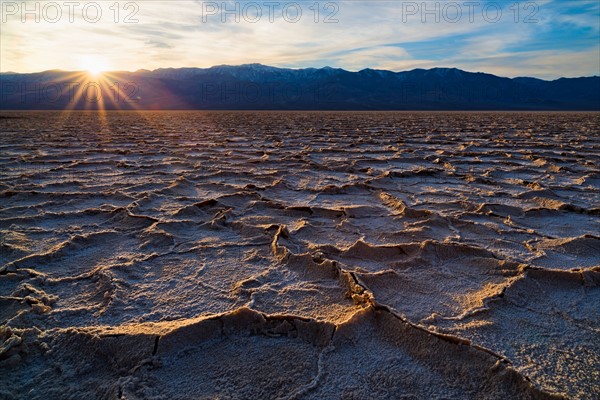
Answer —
302 268
132 357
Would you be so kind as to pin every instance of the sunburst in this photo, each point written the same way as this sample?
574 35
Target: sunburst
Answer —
93 65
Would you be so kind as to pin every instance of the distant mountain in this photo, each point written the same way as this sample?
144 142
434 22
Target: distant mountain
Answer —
259 87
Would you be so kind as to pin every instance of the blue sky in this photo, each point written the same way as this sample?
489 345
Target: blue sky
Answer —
545 38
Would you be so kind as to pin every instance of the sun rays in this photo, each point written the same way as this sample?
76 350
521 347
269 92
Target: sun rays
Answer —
97 90
101 91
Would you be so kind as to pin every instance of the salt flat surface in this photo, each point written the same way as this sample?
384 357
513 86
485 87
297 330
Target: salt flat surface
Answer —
281 255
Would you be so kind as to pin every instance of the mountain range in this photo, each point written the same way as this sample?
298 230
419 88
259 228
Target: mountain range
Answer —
260 87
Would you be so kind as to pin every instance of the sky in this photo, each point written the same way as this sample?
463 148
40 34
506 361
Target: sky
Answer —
546 38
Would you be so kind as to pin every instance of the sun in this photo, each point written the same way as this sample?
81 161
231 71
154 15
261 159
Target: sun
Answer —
94 71
94 65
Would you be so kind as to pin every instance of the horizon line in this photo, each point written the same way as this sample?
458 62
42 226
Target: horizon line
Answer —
297 69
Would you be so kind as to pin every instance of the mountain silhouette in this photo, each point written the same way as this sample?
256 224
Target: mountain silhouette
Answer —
260 87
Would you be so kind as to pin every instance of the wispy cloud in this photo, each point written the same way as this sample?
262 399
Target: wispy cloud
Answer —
548 38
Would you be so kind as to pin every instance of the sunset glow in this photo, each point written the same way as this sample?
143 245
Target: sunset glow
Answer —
545 39
94 65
